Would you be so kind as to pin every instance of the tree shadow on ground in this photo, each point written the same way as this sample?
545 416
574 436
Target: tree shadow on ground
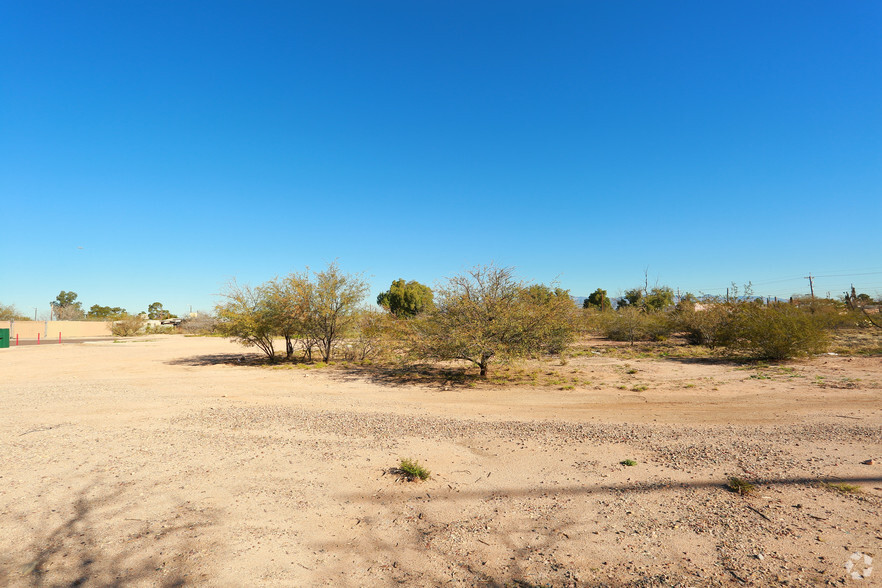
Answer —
390 374
241 359
96 544
421 374
728 360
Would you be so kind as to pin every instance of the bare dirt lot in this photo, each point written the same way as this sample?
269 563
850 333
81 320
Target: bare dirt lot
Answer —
167 462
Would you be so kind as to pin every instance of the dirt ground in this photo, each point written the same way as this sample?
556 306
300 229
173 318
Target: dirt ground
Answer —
168 461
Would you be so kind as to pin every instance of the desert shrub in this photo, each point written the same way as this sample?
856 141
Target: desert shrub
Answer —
160 330
833 314
201 324
740 486
592 321
412 470
630 324
486 316
658 326
623 325
128 326
711 326
778 331
9 312
370 337
248 316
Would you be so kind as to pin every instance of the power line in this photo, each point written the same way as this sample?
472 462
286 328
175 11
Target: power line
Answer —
849 275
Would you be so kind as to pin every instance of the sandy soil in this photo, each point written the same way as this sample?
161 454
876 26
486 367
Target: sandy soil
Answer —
163 462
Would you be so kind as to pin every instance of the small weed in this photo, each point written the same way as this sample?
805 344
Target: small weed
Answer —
567 387
628 462
639 388
411 470
631 371
689 386
310 366
843 487
739 486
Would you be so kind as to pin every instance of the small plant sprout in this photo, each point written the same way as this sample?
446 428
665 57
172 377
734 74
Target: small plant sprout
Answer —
628 462
843 488
739 486
411 470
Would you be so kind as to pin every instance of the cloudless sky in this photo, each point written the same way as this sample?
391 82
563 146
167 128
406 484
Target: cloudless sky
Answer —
151 151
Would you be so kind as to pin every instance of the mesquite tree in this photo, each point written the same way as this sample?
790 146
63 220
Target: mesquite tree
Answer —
485 315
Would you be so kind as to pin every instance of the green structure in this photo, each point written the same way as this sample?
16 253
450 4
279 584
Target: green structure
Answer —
4 338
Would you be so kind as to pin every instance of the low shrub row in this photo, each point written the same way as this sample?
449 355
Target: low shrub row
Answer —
768 331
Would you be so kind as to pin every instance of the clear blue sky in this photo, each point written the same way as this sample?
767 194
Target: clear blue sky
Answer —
151 151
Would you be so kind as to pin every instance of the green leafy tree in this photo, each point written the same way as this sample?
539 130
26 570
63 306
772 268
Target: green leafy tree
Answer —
659 298
246 316
487 315
542 294
10 313
65 307
559 331
333 306
406 299
128 325
598 299
97 312
632 297
156 312
289 301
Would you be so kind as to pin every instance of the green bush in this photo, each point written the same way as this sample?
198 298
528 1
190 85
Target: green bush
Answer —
160 330
833 314
710 326
658 326
412 470
779 331
631 324
128 326
740 486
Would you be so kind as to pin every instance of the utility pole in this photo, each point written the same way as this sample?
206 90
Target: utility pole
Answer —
811 280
